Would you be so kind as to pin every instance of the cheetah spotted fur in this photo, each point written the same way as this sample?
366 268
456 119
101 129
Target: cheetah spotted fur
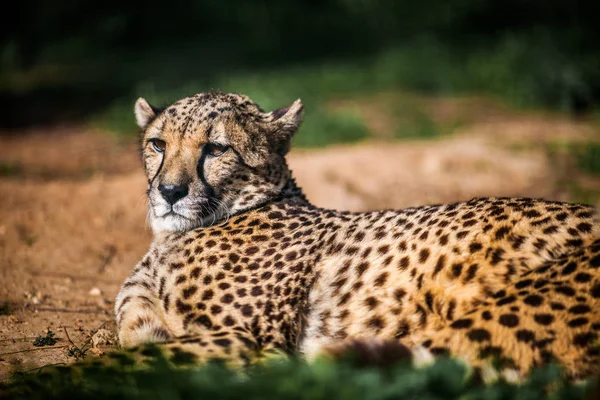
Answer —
242 263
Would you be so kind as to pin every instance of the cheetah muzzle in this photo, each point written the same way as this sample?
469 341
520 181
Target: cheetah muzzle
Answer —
242 264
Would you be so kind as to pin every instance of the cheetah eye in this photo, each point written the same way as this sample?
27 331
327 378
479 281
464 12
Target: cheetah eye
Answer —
158 145
215 149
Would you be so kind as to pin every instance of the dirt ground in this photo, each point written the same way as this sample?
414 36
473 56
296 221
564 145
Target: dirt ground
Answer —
72 209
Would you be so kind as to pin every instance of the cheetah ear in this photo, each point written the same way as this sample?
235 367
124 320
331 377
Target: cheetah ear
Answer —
144 112
288 119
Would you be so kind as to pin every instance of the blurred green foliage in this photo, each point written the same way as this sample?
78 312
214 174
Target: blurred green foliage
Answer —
587 156
9 169
78 59
279 379
424 66
575 162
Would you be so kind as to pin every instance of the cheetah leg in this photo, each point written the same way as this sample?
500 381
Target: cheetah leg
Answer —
550 313
236 347
372 351
137 312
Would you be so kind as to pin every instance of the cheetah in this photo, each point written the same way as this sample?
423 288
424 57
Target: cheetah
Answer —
242 263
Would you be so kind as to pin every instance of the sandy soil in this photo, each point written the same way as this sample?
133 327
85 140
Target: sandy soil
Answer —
72 211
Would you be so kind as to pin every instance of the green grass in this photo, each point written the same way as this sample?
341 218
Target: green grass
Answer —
326 127
510 70
49 340
278 379
583 195
587 157
412 121
10 169
576 158
271 90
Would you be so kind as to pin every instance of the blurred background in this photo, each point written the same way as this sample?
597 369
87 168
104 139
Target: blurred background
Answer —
407 103
73 59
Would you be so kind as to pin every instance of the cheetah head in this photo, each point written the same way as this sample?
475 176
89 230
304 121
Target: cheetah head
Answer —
212 155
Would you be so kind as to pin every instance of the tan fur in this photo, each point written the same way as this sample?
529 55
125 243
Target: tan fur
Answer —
256 267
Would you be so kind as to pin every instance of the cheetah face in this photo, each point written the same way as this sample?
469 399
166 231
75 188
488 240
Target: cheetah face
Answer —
212 155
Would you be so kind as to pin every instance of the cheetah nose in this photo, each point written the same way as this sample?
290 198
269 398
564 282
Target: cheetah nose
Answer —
172 193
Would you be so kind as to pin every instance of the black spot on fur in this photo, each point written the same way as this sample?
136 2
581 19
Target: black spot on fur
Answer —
479 335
